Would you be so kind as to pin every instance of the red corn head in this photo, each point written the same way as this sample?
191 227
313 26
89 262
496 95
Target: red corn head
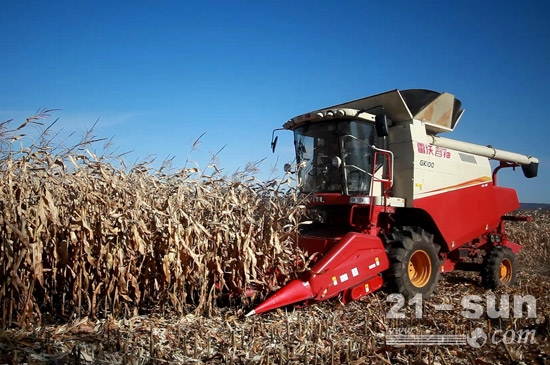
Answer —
353 265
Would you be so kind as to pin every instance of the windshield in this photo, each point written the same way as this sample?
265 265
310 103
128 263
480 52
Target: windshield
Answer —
334 156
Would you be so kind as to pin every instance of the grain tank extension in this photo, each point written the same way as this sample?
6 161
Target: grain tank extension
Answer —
393 203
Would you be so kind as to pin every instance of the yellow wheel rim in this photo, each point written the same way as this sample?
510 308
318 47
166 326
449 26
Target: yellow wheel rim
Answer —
420 268
505 271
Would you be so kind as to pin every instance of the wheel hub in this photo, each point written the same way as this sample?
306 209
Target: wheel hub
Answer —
420 268
505 271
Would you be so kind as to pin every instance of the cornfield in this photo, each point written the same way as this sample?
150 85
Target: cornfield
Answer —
104 263
84 235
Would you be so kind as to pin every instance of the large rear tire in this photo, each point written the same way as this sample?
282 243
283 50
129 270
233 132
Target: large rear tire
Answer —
499 268
414 263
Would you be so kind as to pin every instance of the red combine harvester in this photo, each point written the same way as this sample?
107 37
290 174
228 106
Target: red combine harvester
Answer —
393 203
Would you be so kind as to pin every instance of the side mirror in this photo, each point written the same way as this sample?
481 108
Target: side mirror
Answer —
381 124
274 139
274 143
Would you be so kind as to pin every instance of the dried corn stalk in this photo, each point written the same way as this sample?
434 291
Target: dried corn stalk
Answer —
82 236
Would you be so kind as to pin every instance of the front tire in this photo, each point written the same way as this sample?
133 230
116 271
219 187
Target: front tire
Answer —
414 263
499 268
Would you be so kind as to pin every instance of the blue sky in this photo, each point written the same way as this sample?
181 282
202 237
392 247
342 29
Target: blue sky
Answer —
159 74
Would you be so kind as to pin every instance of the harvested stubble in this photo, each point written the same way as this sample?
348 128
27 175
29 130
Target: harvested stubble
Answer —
83 237
535 238
327 333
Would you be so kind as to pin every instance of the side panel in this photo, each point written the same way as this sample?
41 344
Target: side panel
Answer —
464 214
454 188
422 169
439 170
506 199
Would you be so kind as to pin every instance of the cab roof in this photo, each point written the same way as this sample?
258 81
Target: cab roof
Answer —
439 111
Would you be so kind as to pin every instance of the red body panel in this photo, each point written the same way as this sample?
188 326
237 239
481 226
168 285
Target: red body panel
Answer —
316 244
354 259
506 199
464 214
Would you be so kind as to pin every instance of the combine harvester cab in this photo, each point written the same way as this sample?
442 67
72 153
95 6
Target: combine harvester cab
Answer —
394 203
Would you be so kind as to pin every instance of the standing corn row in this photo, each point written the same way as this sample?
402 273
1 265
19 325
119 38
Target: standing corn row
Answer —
80 236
